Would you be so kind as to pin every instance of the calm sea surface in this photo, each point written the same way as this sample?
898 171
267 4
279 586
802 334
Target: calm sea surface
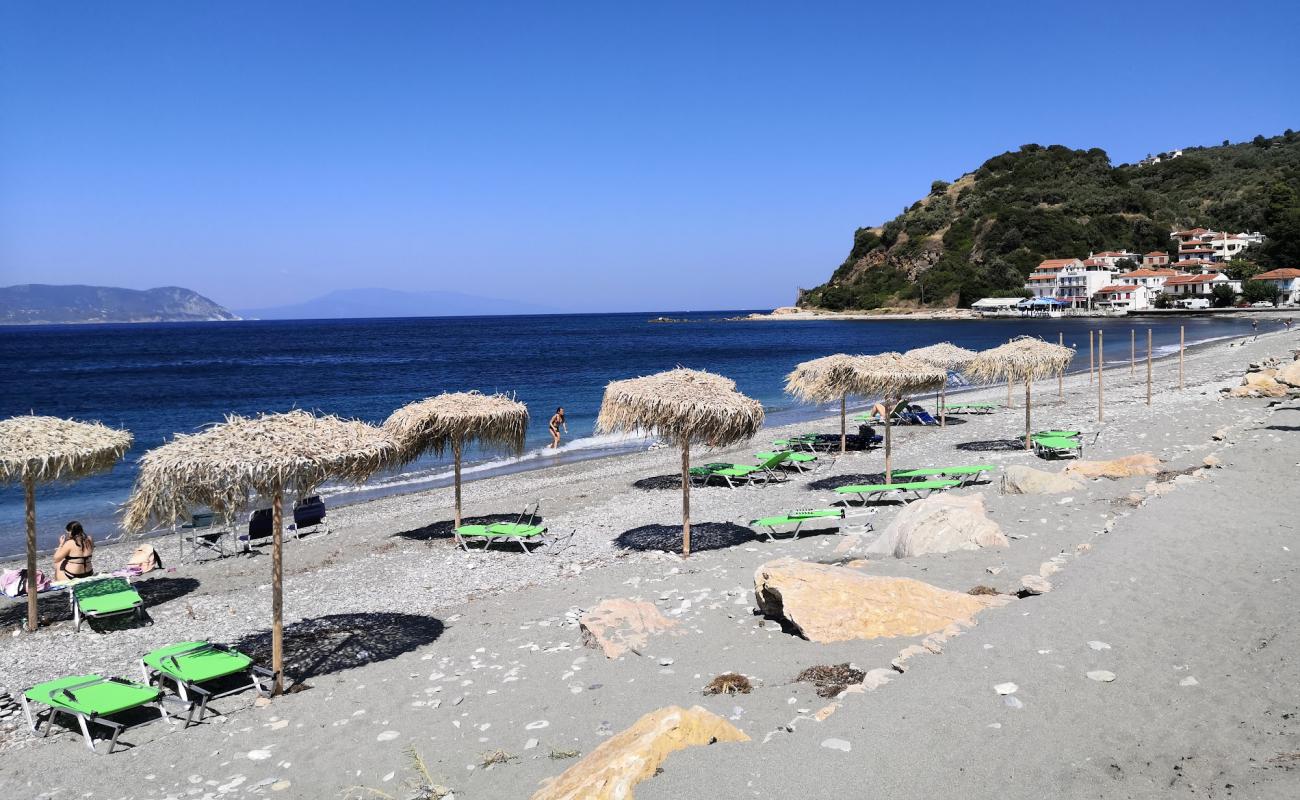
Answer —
158 379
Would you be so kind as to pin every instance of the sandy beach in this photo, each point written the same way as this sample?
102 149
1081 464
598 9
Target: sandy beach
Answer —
1178 587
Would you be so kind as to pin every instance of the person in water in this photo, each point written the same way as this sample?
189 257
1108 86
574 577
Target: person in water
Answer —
557 421
72 556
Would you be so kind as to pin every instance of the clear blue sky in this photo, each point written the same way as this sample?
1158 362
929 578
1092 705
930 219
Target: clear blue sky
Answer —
601 156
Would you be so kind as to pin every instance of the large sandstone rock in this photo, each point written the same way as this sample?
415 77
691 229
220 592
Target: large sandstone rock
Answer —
1290 375
1018 479
940 523
824 603
613 769
618 625
1125 467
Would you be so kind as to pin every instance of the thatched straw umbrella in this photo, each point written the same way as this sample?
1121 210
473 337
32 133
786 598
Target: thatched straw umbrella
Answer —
228 465
893 376
43 449
826 379
1023 358
455 418
947 357
683 406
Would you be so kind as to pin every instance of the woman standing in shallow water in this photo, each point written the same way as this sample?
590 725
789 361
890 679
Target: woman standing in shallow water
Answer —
557 420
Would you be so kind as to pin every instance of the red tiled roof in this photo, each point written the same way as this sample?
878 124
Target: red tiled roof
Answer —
1192 232
1119 287
1156 253
1055 263
1277 274
1190 263
1189 279
1042 277
1112 254
1149 273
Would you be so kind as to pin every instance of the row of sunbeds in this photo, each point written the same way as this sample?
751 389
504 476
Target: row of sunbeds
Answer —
194 671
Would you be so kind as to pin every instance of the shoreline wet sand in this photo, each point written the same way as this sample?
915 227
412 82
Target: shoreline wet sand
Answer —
407 641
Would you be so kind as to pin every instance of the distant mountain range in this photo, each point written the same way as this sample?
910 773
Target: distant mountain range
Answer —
36 303
363 303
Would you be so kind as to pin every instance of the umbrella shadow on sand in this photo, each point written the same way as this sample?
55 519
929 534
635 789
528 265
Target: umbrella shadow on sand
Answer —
704 536
320 646
658 483
56 608
834 482
992 445
444 529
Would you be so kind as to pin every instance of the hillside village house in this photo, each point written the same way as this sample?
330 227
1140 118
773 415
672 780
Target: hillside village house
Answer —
1126 296
1203 244
1155 259
1181 286
1287 281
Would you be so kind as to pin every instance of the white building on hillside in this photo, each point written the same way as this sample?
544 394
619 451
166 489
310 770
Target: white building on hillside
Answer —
1153 280
1287 281
1199 285
1203 244
1126 296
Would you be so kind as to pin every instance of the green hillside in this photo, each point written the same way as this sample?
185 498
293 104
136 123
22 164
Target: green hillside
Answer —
981 235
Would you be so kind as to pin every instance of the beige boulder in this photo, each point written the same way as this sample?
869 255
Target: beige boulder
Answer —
1125 467
612 770
1289 375
940 523
825 603
618 625
1018 479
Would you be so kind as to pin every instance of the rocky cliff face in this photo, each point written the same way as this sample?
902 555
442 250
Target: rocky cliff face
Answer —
34 303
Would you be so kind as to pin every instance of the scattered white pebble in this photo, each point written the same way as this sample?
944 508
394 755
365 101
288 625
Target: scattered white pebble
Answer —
1102 675
1188 681
258 755
1006 688
1098 645
387 736
837 744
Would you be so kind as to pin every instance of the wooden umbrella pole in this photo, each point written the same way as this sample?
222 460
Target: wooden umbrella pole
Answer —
844 408
1148 366
889 443
1008 391
943 404
277 591
1101 365
1180 355
686 497
455 452
1092 364
1133 351
33 615
1060 377
1028 424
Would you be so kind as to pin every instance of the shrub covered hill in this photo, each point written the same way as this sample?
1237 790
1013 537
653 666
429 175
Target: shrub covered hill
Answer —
981 235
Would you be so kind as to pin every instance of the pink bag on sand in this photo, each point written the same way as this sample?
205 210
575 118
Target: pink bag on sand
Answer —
14 582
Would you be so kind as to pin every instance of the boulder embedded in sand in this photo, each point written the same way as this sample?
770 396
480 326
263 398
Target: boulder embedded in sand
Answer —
618 625
940 523
1125 467
1290 375
825 603
1018 479
612 770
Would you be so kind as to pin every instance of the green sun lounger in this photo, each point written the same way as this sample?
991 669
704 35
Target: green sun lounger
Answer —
806 442
1058 446
877 491
742 473
768 525
970 408
796 460
967 474
189 665
1056 434
105 597
524 531
90 700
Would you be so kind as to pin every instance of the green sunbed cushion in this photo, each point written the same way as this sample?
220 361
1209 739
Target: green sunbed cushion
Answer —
1054 434
890 487
1058 443
793 518
502 529
99 699
196 662
108 596
972 470
801 457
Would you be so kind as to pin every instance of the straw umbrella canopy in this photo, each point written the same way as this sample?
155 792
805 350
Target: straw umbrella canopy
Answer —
685 407
452 419
43 449
229 465
948 357
824 380
1023 358
893 376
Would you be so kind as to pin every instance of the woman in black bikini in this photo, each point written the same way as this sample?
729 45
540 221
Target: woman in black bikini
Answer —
72 557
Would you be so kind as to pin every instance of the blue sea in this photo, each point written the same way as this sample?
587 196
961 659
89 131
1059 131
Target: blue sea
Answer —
159 379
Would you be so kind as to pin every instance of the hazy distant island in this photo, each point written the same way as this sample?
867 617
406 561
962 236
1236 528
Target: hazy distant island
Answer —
43 304
372 303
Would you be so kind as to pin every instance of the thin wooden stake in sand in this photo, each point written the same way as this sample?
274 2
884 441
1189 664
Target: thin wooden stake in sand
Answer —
1092 363
1133 351
1180 356
1060 378
1148 366
1101 366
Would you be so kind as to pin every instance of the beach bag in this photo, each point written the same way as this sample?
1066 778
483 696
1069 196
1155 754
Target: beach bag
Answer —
145 559
13 583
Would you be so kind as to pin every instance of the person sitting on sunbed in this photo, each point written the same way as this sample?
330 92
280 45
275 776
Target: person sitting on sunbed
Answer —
72 557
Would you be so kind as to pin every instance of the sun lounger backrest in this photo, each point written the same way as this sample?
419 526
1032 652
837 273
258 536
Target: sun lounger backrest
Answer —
308 511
